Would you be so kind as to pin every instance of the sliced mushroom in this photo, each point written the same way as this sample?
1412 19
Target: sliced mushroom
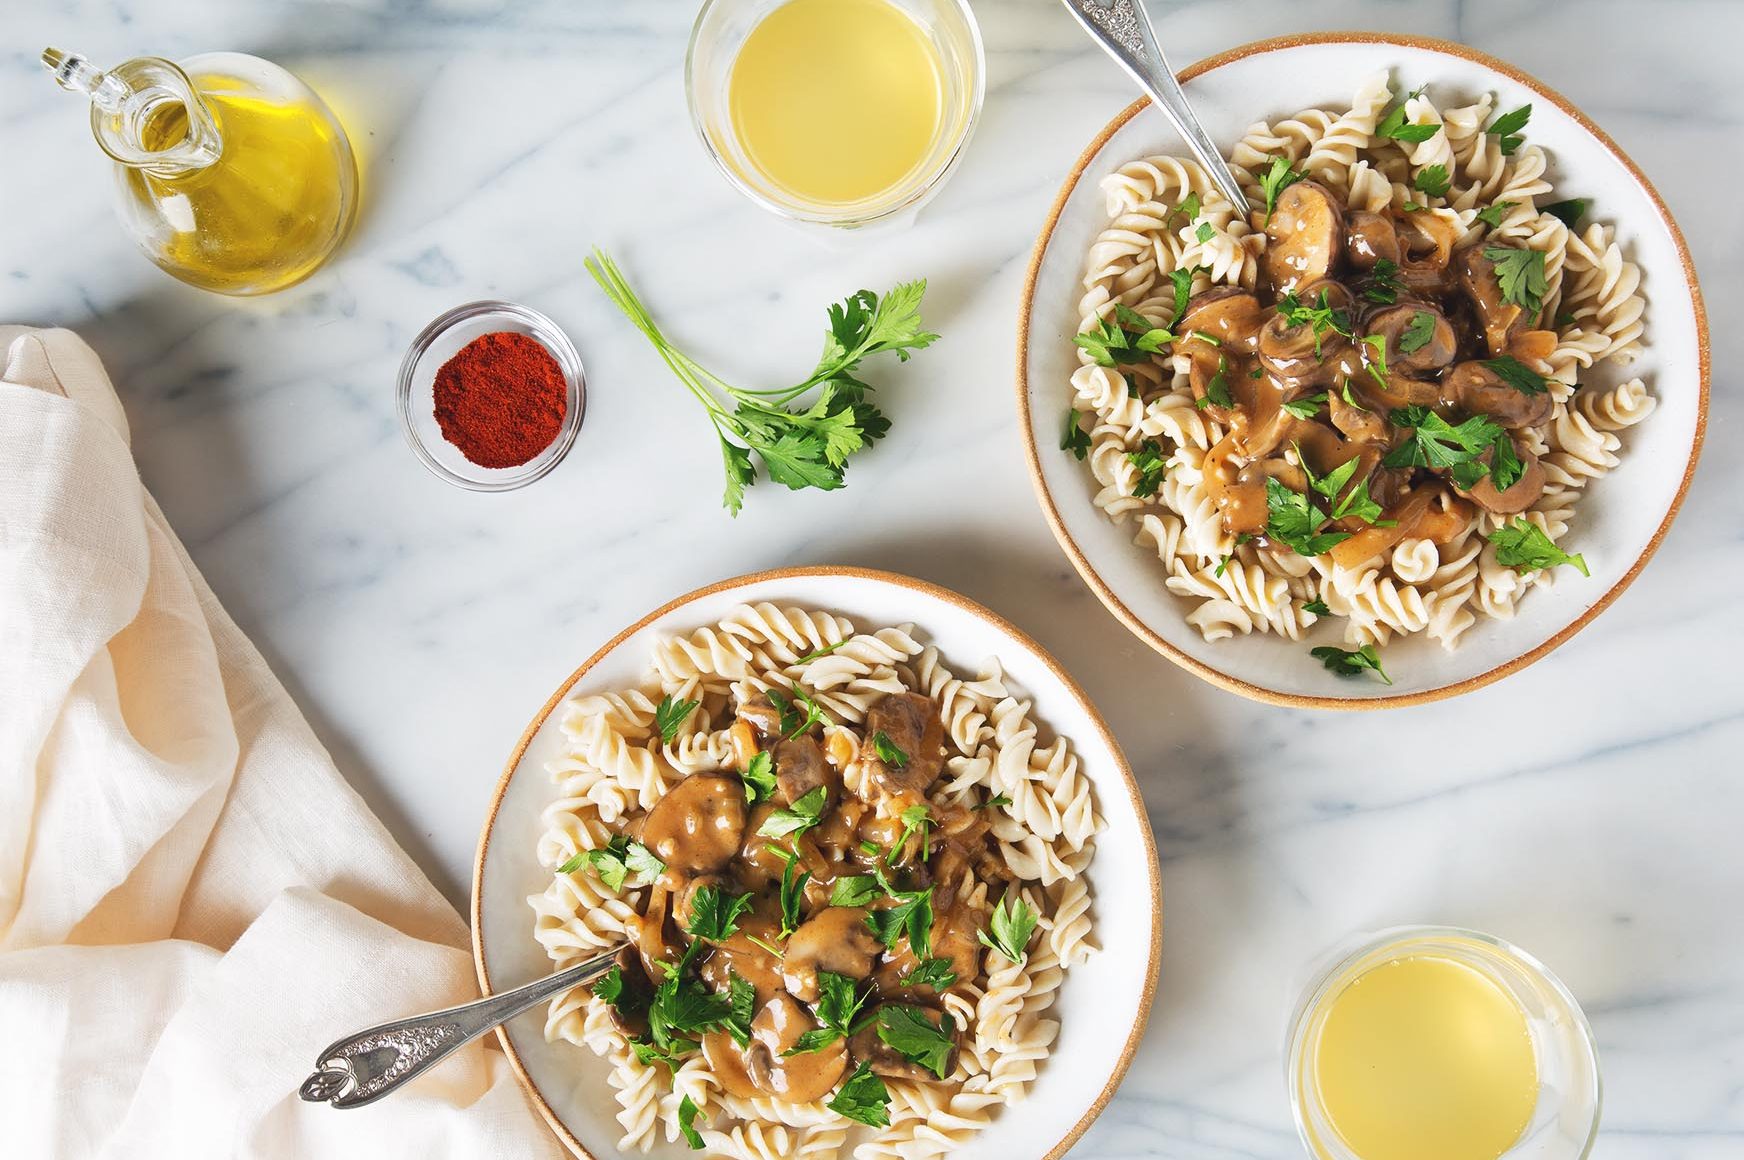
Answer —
800 767
697 827
794 1079
910 722
741 955
1231 316
727 1061
1428 353
761 712
630 1012
1358 423
1474 388
1515 498
1501 320
837 940
955 938
868 1048
1369 238
1305 234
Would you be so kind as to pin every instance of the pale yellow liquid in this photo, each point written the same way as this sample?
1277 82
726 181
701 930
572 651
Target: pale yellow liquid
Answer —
268 212
1424 1058
836 101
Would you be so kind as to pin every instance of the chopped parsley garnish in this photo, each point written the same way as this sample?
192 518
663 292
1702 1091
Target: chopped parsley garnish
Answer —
1125 339
855 890
714 915
1181 278
839 1001
1074 438
1350 662
797 818
1517 374
1356 502
1009 928
1294 521
1205 232
613 992
1321 317
619 859
573 863
1492 215
1523 546
1217 390
1437 443
887 751
1569 212
687 1113
911 917
1520 273
1378 360
1189 205
684 1009
862 1098
1507 127
1316 608
759 778
1207 339
742 1000
1383 284
998 799
1395 126
1152 464
1417 332
822 652
916 1038
792 894
1277 178
934 973
1223 564
915 820
1433 180
1307 406
670 716
1349 399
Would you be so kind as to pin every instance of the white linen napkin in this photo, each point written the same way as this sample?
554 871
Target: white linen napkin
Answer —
192 901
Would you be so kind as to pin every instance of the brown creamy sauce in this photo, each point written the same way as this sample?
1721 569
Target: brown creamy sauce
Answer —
707 836
1315 246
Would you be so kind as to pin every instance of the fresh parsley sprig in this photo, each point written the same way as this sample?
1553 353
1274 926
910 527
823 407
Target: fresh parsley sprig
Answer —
1275 180
1074 438
1351 662
934 973
670 716
1520 274
1523 546
759 778
1321 317
1435 442
1124 340
617 861
1152 463
1432 180
1517 374
1395 125
839 1002
1009 928
1383 282
1417 333
1506 128
800 446
917 1038
862 1098
797 818
854 890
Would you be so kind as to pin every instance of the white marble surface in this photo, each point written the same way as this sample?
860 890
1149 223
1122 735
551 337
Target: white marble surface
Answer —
1587 808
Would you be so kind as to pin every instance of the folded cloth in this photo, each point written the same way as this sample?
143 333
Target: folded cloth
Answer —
193 903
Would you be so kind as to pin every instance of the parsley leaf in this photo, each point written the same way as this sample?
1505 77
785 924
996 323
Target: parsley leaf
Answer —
1307 406
1350 662
1436 443
1383 284
1377 361
887 751
801 816
839 1001
1395 126
1356 502
573 863
687 1113
1009 928
1316 608
1275 180
619 859
742 1001
1517 374
1492 215
1074 438
916 819
934 973
1152 464
854 890
1294 521
759 778
912 916
1507 126
1124 340
1322 316
1569 212
1205 232
1417 332
916 1037
1505 466
714 916
862 1098
1520 273
1181 278
792 895
822 652
1217 390
683 1008
1433 180
670 716
998 799
1189 205
804 447
1523 546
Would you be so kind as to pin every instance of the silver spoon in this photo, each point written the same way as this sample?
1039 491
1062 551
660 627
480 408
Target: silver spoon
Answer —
1124 32
362 1068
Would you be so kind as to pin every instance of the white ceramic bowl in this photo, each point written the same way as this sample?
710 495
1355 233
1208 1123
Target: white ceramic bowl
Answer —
1619 523
1104 1002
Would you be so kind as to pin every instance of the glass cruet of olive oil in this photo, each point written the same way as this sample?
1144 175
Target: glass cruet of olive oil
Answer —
231 174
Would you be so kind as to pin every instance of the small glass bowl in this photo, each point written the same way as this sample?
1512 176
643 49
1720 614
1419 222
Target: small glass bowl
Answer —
441 341
1565 1121
720 32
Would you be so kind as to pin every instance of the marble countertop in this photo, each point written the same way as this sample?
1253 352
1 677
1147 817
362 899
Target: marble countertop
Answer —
1587 808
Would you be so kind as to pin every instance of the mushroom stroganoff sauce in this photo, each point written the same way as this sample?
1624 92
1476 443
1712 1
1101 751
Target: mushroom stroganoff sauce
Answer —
1376 398
851 881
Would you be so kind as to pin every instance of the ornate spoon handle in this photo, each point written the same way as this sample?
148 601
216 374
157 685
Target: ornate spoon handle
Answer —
362 1068
1124 32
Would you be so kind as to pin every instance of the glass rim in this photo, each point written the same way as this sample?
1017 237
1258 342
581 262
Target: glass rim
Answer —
923 188
1334 967
549 335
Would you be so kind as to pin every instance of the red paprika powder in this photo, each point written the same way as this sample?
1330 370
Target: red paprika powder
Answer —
501 400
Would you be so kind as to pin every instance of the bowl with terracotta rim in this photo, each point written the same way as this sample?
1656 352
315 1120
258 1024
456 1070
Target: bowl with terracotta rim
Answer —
1618 524
1103 1003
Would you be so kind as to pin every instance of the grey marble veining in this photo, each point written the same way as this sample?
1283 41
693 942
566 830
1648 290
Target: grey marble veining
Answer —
1587 808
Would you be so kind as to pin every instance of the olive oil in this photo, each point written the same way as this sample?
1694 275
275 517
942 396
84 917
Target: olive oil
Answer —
837 101
1426 1058
268 211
